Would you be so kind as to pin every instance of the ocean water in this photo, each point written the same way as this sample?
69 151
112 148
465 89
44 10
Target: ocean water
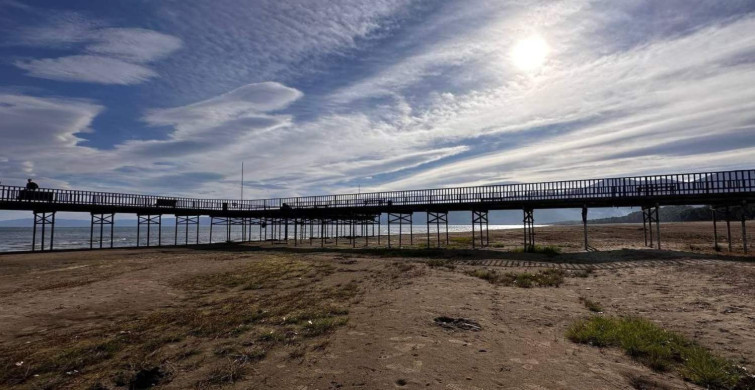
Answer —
20 239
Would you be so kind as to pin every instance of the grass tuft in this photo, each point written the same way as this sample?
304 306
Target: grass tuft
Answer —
544 278
548 250
660 350
591 305
438 263
230 372
585 272
321 326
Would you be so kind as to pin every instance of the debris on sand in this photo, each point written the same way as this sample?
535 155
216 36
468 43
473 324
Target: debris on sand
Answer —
146 378
457 323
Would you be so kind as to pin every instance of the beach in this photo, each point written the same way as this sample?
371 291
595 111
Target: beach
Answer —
268 316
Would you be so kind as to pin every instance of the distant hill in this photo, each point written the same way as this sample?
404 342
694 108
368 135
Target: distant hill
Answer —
674 214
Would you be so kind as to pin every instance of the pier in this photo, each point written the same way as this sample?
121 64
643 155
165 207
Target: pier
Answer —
311 220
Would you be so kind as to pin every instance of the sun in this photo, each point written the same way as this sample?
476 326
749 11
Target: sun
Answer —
529 54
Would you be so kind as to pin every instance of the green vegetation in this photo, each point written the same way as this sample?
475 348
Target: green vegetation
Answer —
548 250
438 263
460 241
227 373
545 278
661 350
585 272
287 305
591 305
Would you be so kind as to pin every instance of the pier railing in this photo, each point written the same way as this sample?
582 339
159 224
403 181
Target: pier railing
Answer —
689 184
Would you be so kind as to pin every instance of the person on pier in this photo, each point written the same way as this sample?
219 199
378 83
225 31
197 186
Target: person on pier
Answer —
30 185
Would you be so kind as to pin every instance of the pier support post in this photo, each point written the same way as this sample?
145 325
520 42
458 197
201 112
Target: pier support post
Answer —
728 226
714 212
648 243
658 224
401 218
228 230
480 217
221 221
744 226
149 220
101 219
311 230
353 224
390 217
650 215
584 224
186 220
437 217
529 229
336 227
43 219
296 227
322 232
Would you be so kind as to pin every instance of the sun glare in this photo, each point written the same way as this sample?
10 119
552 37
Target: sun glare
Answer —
529 54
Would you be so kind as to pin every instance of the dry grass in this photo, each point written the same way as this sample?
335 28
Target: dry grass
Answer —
543 278
288 305
591 305
226 373
441 263
548 250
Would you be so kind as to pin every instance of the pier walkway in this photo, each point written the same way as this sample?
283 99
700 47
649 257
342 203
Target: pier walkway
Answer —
352 215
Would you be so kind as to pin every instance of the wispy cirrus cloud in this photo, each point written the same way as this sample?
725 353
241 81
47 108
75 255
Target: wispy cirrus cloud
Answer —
367 99
35 131
104 55
272 40
87 68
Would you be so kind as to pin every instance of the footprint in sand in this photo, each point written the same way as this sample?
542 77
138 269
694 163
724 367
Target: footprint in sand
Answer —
416 367
454 386
408 347
528 364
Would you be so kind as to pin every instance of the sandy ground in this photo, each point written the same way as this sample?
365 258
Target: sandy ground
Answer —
390 340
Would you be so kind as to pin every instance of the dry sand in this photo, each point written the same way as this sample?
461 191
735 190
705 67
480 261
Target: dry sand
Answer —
390 340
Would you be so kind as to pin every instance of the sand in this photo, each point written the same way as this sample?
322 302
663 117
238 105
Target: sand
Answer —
390 340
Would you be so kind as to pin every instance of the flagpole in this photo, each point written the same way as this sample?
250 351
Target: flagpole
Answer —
242 180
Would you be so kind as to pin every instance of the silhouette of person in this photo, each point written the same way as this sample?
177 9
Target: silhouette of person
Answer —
30 185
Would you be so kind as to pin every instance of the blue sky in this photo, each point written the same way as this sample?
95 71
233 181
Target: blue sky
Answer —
323 96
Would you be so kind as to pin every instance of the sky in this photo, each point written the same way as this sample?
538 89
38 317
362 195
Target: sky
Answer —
330 96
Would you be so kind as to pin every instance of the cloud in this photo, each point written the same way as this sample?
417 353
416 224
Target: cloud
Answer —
31 123
181 182
434 102
87 68
624 104
105 55
59 30
271 40
220 121
133 44
247 101
34 127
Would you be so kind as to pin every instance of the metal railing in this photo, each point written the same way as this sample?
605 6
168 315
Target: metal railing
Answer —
688 184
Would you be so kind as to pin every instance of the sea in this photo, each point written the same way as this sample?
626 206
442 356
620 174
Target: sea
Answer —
19 239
